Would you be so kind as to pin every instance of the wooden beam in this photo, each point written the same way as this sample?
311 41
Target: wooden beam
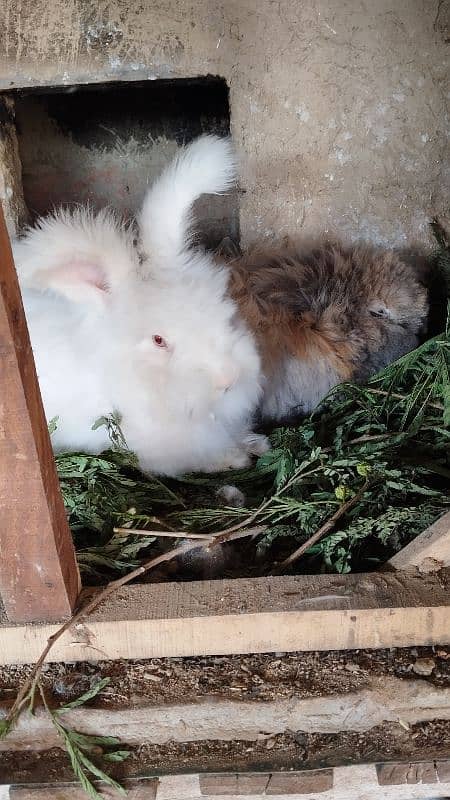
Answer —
39 578
306 612
429 551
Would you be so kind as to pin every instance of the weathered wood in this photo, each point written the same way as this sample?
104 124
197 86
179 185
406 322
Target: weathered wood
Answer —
298 783
306 612
338 783
266 783
149 720
243 783
145 789
39 578
11 188
397 773
429 551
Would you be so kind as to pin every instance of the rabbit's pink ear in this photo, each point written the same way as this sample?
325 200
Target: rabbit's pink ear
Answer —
78 280
76 254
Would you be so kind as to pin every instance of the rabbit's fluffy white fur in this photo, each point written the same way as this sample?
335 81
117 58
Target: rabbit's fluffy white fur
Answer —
94 306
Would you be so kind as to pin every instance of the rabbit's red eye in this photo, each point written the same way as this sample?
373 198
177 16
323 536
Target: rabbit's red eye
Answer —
159 341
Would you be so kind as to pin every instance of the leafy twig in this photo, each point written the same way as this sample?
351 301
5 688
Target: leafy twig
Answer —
29 686
323 530
78 745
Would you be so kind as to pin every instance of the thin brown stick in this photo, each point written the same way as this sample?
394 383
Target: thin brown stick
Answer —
323 530
164 534
374 437
237 531
401 397
29 686
232 535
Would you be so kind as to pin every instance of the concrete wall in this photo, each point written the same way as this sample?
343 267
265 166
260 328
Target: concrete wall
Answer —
338 107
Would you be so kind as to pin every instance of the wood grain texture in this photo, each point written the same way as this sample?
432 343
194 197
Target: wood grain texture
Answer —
298 783
340 783
238 783
146 789
429 551
258 615
39 577
397 773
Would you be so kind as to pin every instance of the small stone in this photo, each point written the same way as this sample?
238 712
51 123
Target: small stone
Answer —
73 684
232 496
351 667
424 666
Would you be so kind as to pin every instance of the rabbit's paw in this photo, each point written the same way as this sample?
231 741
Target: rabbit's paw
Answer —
256 444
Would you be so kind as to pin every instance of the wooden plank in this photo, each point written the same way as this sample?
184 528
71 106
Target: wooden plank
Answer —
298 783
429 551
349 783
286 614
397 773
266 783
145 789
39 578
236 783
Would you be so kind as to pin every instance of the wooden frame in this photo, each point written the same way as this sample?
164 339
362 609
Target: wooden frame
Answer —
39 579
38 570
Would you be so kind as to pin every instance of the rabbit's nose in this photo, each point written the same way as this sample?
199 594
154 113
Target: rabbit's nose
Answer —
224 381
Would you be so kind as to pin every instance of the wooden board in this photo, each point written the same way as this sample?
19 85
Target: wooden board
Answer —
337 783
327 612
429 551
39 577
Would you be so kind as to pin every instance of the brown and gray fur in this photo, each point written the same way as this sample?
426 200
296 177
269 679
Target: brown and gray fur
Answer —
324 315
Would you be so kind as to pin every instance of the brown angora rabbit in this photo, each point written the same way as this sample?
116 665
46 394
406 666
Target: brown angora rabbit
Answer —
325 315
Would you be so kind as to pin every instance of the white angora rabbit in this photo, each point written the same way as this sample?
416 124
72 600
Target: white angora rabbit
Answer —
154 338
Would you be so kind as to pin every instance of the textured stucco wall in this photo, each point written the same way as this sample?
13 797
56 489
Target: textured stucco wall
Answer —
338 106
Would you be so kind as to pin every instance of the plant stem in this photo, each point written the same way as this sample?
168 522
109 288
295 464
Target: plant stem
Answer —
28 688
323 530
398 396
163 534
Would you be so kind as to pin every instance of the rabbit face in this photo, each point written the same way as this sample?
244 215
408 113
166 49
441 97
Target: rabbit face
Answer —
189 349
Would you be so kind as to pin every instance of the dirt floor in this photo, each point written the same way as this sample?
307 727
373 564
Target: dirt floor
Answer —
427 741
255 677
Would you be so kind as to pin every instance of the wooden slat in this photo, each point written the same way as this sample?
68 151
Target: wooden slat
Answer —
286 614
428 552
144 789
337 783
39 578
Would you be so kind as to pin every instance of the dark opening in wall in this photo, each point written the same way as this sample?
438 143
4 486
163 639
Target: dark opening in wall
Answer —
104 143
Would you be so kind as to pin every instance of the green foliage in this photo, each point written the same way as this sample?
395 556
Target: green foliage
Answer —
5 727
392 432
84 698
81 747
77 746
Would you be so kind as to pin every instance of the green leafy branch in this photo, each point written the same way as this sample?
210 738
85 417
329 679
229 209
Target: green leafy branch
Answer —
80 747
